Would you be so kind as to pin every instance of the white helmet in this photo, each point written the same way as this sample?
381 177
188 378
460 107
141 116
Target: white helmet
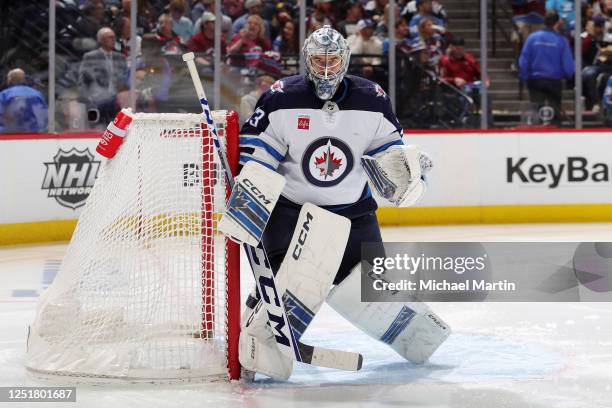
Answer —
327 56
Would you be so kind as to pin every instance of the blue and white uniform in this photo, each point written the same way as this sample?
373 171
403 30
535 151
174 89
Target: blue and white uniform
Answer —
317 146
318 150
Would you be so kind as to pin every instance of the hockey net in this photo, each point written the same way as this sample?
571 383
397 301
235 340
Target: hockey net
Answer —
148 289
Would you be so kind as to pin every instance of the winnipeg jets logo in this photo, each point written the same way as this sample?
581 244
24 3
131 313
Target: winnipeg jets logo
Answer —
327 161
277 87
328 164
379 91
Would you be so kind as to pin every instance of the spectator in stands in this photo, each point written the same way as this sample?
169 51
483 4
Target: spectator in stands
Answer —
248 101
607 103
410 10
254 8
91 20
592 40
22 108
147 15
282 14
425 11
607 8
528 17
101 74
382 27
458 67
287 42
226 21
431 40
181 25
170 42
566 11
402 37
354 13
249 41
599 66
199 7
546 59
124 35
233 8
461 70
365 42
322 14
204 40
422 57
375 9
152 81
596 7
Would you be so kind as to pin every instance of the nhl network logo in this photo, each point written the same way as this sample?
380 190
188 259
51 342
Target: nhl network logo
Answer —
70 177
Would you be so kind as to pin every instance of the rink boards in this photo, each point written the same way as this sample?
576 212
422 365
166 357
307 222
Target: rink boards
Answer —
478 177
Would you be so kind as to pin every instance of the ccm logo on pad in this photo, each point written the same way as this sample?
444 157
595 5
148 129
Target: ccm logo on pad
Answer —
297 251
249 184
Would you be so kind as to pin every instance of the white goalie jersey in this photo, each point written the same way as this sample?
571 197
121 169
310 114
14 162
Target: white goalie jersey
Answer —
318 145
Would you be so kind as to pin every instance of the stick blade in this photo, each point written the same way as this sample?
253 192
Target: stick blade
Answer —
330 358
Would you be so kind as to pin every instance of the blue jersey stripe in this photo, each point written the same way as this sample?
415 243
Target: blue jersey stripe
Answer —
384 147
245 159
252 141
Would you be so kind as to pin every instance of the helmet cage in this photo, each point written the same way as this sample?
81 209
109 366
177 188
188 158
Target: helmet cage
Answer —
327 56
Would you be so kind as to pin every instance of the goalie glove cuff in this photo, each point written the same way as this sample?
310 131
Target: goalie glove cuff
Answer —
397 174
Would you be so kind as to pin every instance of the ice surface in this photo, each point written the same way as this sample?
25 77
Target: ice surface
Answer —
500 354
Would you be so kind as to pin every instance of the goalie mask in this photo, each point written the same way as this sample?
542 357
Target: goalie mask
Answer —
327 56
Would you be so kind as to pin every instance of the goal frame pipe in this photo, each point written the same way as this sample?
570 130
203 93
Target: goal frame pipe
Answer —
229 169
207 260
232 255
233 258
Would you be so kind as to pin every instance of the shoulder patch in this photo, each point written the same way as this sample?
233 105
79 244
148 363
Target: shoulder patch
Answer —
379 91
277 87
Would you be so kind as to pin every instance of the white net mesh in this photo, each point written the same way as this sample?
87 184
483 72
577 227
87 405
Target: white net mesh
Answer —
141 293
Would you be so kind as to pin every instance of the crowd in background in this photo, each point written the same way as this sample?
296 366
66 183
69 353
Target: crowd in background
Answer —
260 40
544 39
261 36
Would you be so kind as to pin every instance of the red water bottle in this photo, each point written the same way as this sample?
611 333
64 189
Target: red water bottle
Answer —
114 134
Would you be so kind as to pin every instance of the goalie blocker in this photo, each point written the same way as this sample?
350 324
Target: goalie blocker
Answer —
256 190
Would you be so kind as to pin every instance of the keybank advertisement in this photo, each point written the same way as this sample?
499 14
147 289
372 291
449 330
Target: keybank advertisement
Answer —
51 178
472 169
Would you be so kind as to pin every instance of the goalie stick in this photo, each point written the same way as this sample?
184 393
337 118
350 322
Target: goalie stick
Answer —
264 277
